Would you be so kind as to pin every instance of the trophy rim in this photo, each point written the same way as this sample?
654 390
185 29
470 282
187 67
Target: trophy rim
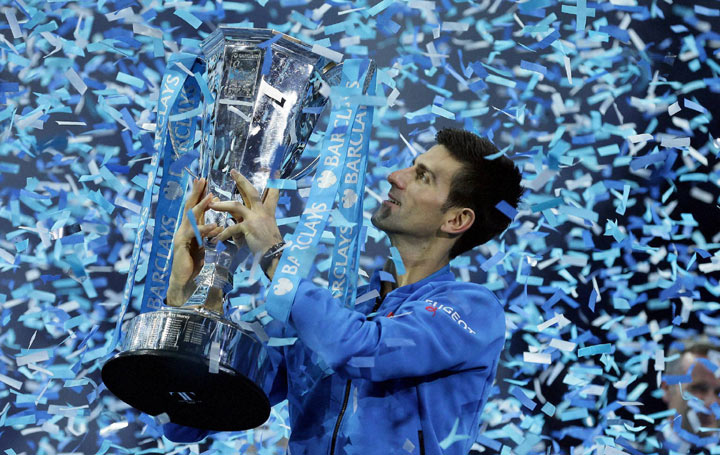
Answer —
289 43
202 312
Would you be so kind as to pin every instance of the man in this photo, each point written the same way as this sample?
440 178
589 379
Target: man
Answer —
696 400
409 371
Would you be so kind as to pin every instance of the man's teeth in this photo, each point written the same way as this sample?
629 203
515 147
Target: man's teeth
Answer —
393 201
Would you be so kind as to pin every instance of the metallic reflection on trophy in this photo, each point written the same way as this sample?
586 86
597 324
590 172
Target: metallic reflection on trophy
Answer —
190 363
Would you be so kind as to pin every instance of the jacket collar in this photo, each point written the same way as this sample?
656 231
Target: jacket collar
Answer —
443 274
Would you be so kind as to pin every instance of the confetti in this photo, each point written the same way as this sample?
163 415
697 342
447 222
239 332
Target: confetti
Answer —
562 345
534 357
214 358
329 53
607 109
524 399
188 17
594 350
282 341
15 384
193 222
507 209
397 260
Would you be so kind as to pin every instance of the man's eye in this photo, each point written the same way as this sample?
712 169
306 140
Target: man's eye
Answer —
422 175
699 388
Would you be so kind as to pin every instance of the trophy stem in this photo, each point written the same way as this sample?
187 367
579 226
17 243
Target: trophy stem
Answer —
215 278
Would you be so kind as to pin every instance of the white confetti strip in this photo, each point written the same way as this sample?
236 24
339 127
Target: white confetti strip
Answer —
13 22
214 358
15 384
35 357
536 357
636 138
76 81
559 319
678 142
239 113
67 123
562 345
272 92
659 360
142 29
328 53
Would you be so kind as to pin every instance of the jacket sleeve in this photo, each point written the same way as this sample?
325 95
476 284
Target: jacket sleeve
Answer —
277 388
466 330
180 433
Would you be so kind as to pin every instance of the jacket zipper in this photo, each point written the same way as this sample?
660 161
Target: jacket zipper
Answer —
422 443
340 416
347 396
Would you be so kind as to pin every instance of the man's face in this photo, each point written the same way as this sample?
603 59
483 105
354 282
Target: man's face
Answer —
417 194
704 387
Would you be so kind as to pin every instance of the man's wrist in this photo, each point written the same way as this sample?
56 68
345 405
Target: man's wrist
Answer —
177 295
174 297
270 259
270 270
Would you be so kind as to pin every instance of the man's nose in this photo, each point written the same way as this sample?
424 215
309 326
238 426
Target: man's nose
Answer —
712 397
398 178
709 398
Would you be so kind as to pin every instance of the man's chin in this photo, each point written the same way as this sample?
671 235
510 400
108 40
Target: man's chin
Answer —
377 219
380 222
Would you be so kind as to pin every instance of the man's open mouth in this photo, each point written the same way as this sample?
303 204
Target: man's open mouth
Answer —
393 200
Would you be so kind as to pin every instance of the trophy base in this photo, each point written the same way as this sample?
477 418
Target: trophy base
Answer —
157 382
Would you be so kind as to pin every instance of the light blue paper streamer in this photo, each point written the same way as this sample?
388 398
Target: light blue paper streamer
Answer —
178 153
170 88
346 255
295 261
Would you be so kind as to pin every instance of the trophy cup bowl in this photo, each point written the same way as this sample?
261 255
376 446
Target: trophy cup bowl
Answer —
166 366
190 363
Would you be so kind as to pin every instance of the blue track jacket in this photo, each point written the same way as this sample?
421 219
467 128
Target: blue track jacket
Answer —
411 378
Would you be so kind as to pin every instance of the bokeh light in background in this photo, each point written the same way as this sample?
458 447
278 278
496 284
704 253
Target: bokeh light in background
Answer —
607 107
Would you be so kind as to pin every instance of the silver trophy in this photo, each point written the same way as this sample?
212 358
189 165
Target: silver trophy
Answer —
190 363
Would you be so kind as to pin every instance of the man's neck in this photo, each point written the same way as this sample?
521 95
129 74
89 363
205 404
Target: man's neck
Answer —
420 259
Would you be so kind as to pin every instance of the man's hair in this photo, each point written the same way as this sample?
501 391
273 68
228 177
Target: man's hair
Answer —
480 185
700 347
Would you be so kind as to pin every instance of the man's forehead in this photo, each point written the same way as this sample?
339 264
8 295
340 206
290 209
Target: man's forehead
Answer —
701 362
438 150
437 159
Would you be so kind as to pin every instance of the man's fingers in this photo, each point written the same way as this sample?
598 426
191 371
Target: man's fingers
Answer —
235 229
215 232
248 192
271 199
199 209
235 208
196 193
208 230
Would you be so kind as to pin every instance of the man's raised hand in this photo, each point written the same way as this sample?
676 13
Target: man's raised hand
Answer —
255 220
188 255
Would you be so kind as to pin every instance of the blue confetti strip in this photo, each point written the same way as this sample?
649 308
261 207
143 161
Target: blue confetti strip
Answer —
193 223
507 209
397 261
524 399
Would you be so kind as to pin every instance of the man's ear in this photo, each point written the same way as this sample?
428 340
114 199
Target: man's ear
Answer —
458 220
